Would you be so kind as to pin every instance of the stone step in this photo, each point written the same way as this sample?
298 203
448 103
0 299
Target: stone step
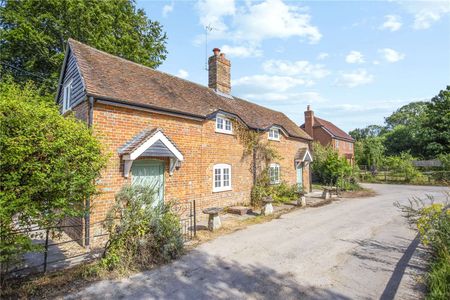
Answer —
238 210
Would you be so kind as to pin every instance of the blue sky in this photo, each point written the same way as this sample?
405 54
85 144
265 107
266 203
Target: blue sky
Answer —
355 62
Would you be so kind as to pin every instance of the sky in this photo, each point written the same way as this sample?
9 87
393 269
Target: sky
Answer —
354 62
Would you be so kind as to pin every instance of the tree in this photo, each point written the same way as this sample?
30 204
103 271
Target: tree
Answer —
48 165
369 152
407 115
34 34
403 138
367 132
435 129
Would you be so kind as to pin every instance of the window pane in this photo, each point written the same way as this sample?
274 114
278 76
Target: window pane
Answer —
226 177
219 123
217 178
228 125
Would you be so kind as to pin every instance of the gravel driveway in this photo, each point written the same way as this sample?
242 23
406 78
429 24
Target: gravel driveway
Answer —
357 248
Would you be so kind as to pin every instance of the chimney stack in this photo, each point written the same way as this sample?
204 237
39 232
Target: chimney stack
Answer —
219 72
309 121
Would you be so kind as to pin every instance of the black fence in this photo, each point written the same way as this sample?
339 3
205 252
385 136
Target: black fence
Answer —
188 218
56 249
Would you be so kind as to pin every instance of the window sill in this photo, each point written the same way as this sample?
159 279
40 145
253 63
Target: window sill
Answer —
275 140
219 190
224 131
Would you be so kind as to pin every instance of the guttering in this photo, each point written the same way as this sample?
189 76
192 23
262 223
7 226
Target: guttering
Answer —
145 107
87 216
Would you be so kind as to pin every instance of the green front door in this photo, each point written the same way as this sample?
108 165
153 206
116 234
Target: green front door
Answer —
300 177
151 173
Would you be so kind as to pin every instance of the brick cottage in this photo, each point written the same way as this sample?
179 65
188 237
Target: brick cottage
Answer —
175 134
328 134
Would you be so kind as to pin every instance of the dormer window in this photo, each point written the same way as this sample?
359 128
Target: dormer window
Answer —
223 125
67 95
274 134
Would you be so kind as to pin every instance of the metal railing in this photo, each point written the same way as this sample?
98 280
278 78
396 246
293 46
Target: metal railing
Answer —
52 241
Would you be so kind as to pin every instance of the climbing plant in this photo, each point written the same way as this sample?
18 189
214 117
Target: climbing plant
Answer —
262 154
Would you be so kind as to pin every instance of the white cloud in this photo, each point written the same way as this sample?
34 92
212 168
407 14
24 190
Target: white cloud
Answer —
376 62
354 57
253 22
212 13
426 13
182 73
391 55
322 56
355 78
287 98
270 83
168 8
241 51
392 23
274 19
290 68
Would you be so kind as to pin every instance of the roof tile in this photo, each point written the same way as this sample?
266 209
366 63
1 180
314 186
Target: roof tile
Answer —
110 77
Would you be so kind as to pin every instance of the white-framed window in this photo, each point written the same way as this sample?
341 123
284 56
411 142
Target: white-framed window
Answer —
274 173
221 178
351 146
223 125
274 134
67 95
336 143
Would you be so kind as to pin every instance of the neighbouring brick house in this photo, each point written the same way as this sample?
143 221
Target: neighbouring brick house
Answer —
178 135
326 133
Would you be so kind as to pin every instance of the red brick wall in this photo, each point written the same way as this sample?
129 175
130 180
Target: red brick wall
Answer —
344 149
201 147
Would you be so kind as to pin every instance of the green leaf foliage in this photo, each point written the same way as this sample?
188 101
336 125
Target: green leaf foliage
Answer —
141 232
328 166
419 128
34 34
48 164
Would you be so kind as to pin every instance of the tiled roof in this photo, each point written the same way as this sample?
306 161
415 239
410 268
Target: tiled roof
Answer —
335 131
300 155
140 139
110 77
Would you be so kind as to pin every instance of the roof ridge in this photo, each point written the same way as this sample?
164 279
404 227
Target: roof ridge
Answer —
143 66
193 97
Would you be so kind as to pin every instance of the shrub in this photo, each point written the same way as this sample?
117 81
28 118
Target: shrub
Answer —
329 167
141 232
48 164
402 166
280 193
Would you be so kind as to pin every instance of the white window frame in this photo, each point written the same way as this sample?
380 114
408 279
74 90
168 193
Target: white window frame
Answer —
274 167
274 134
67 95
336 144
351 146
226 126
220 170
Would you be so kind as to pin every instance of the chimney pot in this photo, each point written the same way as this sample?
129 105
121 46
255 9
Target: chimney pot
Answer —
308 107
216 51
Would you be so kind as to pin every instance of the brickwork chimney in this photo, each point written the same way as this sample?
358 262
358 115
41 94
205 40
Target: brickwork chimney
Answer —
219 72
309 121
